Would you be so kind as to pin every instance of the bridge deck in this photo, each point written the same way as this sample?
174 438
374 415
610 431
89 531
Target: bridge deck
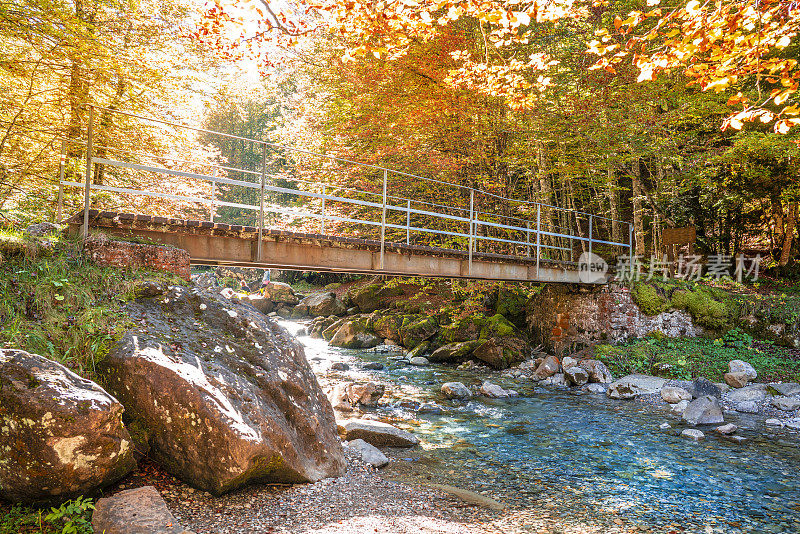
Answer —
210 243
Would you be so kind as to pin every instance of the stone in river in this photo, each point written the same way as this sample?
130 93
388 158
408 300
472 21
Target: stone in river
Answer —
634 385
369 453
674 395
794 424
549 366
496 392
339 366
378 433
366 394
773 422
703 411
693 434
680 406
787 404
702 387
595 388
598 372
664 426
746 407
730 428
576 375
456 390
373 366
419 361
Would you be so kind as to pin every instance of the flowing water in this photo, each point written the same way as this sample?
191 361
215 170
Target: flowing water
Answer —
598 457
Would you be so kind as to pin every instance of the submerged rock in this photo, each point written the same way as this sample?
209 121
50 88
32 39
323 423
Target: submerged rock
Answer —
378 433
60 435
496 392
369 453
634 385
225 394
703 411
693 434
135 511
456 390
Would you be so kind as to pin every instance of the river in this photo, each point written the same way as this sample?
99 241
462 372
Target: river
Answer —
583 457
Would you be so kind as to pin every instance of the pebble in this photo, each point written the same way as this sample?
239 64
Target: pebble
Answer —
694 434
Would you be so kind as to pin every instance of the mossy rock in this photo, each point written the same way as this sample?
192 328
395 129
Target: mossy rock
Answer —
465 329
649 299
386 325
502 352
511 304
497 326
703 308
454 352
372 297
419 350
416 329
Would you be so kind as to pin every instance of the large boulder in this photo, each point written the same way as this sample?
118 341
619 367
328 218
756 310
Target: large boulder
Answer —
739 366
456 390
354 335
60 435
577 376
702 387
753 393
598 372
785 388
416 330
135 511
280 293
225 395
453 352
369 453
674 395
703 411
502 352
259 302
378 433
787 404
386 325
323 305
634 385
367 394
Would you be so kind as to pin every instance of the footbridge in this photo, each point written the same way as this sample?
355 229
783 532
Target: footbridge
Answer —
297 209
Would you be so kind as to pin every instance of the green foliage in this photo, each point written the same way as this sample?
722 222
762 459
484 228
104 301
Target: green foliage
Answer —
65 307
72 517
737 338
686 358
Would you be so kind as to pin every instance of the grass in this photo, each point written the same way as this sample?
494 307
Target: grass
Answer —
61 305
693 357
72 517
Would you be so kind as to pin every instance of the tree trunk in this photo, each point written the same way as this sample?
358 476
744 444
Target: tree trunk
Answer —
638 220
777 217
786 249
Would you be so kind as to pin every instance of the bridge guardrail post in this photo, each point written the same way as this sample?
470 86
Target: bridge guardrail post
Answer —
408 223
471 226
324 189
88 187
538 236
62 162
261 212
213 210
528 238
383 219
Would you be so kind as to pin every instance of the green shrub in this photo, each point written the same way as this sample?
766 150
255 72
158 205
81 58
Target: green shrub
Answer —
648 298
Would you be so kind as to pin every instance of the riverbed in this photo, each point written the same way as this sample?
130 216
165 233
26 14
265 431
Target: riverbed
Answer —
582 458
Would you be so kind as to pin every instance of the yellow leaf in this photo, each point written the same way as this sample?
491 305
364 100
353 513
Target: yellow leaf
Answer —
782 97
783 42
522 17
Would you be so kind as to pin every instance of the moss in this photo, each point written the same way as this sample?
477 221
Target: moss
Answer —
702 306
649 299
498 326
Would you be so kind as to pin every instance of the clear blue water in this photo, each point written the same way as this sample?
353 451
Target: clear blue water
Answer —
601 456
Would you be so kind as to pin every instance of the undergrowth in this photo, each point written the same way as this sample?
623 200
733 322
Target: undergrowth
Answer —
56 303
72 517
687 358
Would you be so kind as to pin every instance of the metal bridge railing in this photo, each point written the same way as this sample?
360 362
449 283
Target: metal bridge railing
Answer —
526 229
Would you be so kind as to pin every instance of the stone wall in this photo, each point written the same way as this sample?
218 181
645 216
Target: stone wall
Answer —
107 252
564 318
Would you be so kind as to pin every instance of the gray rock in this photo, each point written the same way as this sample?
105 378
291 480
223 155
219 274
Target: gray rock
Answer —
787 404
794 424
339 366
577 376
365 394
42 229
60 435
135 511
598 372
746 407
248 409
693 434
730 428
419 361
634 385
557 380
454 352
354 334
378 433
496 392
787 389
702 387
674 395
456 390
773 422
569 362
429 408
703 411
596 388
752 393
323 305
369 453
373 366
737 380
680 407
664 426
739 366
